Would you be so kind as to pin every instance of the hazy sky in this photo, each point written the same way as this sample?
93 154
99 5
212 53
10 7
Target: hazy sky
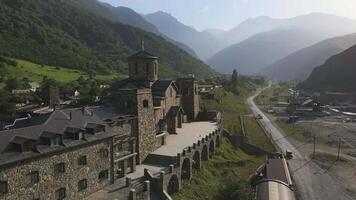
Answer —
224 14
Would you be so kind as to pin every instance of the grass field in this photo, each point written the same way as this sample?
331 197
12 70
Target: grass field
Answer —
230 162
294 131
35 72
275 94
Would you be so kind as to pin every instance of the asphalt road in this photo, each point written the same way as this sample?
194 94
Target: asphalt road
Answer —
312 182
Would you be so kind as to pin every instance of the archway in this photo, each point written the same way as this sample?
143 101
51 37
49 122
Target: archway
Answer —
204 153
186 169
217 141
211 148
196 160
173 185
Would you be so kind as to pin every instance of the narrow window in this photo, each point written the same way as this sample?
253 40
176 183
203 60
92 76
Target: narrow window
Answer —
3 187
104 153
171 92
103 175
147 69
136 68
82 185
156 69
186 91
59 168
82 160
34 177
61 194
145 103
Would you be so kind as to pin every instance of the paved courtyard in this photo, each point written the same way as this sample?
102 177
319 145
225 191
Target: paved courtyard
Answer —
187 135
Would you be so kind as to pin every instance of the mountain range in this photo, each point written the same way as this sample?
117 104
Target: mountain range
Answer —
336 75
85 35
299 65
309 29
203 43
260 50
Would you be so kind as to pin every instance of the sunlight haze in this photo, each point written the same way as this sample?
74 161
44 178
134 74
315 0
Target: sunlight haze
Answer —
225 14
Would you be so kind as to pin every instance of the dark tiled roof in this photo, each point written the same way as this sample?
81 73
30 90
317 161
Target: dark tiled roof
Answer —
121 84
174 111
160 86
47 134
20 140
56 123
143 54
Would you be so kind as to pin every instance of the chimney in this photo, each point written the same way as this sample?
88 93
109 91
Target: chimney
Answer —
70 115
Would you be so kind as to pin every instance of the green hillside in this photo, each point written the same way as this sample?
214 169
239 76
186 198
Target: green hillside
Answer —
59 33
35 72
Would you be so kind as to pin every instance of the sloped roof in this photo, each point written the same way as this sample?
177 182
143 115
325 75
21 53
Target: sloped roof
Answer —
128 83
174 111
56 123
162 85
20 140
143 54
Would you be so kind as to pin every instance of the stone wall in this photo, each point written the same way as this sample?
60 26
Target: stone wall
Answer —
190 100
138 69
170 180
19 186
146 124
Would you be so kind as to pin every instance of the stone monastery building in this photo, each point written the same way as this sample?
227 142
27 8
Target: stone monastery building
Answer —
140 143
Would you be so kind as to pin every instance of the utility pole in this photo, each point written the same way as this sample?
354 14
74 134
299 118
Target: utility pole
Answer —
314 142
339 149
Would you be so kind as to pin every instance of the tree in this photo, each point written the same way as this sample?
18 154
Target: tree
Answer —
234 78
12 83
7 108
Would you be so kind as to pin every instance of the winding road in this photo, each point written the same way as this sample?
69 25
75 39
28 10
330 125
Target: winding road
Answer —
312 182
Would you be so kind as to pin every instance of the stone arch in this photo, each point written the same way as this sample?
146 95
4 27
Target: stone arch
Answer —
211 148
173 185
186 169
217 141
204 153
196 160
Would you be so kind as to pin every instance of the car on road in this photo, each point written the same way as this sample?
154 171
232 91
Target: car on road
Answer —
259 116
289 155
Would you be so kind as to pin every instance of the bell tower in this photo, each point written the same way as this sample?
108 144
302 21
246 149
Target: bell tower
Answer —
143 67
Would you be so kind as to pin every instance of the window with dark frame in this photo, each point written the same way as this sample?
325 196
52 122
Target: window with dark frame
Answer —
145 103
82 160
34 177
3 187
61 194
103 175
82 185
59 168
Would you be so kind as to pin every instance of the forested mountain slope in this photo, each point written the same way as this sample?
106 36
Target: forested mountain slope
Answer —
61 33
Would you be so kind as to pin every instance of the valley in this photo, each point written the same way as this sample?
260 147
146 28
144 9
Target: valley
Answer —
177 100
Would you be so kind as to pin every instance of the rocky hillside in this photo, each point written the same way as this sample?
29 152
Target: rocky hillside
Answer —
300 64
66 34
336 75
